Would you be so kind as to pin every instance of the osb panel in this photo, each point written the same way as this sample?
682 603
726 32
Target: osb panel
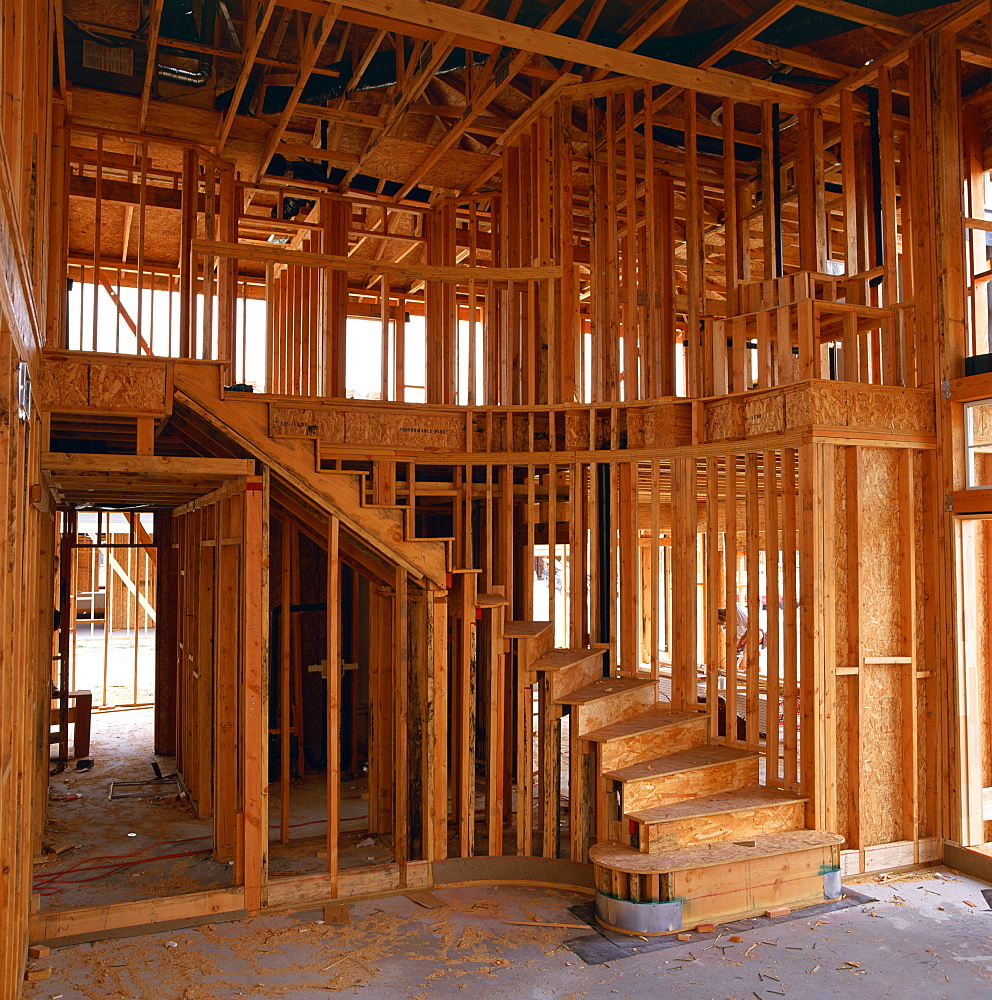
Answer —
881 771
520 431
129 387
63 387
577 431
647 746
846 690
724 420
827 405
746 823
882 561
307 421
841 558
798 412
636 423
983 559
668 788
668 425
120 387
764 414
846 703
928 756
405 429
905 411
623 703
396 159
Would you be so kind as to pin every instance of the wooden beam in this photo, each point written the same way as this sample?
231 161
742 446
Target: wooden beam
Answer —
863 15
151 60
318 31
478 27
657 17
953 21
421 272
263 14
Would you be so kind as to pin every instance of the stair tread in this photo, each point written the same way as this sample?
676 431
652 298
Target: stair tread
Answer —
490 601
646 722
732 800
524 629
603 689
684 760
621 857
562 659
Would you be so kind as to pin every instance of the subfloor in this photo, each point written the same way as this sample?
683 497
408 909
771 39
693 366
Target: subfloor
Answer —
112 850
927 935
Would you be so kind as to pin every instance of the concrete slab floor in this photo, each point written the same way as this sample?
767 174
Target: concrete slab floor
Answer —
929 935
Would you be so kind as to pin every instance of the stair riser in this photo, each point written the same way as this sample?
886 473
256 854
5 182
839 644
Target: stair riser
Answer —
528 650
732 891
612 708
647 746
564 682
743 824
691 784
716 895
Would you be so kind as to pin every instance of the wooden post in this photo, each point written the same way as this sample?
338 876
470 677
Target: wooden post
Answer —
333 705
254 722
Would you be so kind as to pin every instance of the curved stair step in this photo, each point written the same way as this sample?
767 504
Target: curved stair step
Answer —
742 813
607 700
533 640
648 735
569 669
715 882
688 774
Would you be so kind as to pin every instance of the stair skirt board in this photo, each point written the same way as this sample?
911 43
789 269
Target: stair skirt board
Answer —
627 916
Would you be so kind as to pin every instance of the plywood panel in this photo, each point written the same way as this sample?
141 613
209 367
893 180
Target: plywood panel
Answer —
724 420
764 414
321 422
406 429
744 823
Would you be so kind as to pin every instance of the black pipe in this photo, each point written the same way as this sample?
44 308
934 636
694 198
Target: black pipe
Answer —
876 181
603 527
777 192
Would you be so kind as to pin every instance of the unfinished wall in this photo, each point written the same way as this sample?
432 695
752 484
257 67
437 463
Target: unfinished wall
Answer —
26 525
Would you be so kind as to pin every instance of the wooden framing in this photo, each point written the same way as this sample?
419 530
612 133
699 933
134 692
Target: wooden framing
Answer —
641 343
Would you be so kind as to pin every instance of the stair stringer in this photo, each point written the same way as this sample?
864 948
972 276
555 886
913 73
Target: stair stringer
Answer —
246 421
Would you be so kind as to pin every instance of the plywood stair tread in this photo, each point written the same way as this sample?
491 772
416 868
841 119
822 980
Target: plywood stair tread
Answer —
562 659
524 630
490 601
685 760
620 857
650 721
733 800
603 689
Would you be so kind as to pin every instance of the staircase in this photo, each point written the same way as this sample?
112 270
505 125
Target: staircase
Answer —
684 832
244 418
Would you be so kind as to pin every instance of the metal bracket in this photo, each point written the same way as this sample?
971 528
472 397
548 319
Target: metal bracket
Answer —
945 390
949 503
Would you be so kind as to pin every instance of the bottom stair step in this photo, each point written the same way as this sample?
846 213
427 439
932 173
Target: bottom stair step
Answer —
715 882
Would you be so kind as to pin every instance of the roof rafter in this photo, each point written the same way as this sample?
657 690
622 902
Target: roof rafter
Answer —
718 83
263 15
318 32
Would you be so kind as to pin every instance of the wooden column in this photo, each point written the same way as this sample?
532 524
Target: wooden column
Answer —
253 715
333 705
